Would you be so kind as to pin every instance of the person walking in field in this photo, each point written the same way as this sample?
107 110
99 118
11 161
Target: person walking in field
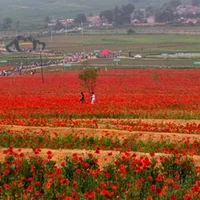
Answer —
92 98
82 100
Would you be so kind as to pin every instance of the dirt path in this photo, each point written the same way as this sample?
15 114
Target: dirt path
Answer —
104 122
103 157
100 133
154 121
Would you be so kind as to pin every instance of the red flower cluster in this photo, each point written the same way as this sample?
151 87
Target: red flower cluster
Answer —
136 93
128 178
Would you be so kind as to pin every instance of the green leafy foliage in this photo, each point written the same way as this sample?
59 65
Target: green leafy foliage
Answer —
88 79
80 18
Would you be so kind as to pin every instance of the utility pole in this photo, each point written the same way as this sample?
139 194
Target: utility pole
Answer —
141 57
66 31
51 35
42 74
52 20
81 28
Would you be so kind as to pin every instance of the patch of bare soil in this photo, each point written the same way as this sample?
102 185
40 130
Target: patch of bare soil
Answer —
100 133
104 157
155 121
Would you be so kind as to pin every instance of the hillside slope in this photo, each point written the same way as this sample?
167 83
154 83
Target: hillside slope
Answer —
33 11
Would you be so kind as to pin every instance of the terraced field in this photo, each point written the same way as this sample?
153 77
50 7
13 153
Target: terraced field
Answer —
107 136
98 145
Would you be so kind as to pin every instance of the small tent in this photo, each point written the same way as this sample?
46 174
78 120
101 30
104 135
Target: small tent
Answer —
105 52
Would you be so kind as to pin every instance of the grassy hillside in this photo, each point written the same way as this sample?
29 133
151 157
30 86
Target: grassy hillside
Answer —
28 10
35 10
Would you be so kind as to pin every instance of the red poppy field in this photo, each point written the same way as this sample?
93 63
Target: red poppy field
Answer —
140 140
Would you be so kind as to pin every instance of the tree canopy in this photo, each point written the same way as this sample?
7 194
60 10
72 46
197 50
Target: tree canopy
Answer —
88 78
7 23
195 2
107 15
80 18
119 15
58 25
165 15
167 12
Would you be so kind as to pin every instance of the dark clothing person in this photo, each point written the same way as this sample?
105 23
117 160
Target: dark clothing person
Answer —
82 100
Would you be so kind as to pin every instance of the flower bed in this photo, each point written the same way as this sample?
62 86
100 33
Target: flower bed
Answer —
81 178
105 141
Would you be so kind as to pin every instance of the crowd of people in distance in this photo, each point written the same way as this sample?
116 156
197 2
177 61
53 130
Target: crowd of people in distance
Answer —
5 73
68 58
38 64
38 51
113 54
78 57
28 66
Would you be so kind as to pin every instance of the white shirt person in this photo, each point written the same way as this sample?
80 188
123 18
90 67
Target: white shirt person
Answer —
92 98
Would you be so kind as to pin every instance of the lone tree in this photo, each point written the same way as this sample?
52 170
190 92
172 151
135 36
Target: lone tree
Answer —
88 79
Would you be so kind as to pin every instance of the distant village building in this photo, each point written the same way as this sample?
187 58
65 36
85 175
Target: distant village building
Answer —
52 23
188 9
135 21
151 20
195 2
191 21
94 19
65 22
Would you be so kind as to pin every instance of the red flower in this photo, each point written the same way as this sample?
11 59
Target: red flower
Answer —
67 198
173 197
37 193
49 157
159 178
97 151
152 154
30 188
103 192
90 195
6 186
187 197
49 152
122 169
110 193
103 185
176 186
6 172
75 184
114 187
153 189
